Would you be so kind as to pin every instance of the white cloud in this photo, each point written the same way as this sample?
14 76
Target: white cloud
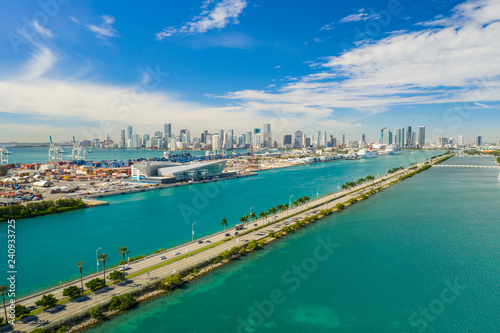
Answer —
42 30
456 62
223 13
327 27
361 15
105 29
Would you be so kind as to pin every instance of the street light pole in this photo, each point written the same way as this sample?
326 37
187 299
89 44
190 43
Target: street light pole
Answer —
97 260
192 231
250 214
290 201
317 193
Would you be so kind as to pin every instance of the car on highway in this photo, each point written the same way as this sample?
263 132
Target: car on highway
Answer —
208 242
163 258
124 267
200 242
176 253
228 234
236 233
31 307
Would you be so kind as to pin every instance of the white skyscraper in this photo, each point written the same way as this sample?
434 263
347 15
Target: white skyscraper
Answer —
299 142
461 140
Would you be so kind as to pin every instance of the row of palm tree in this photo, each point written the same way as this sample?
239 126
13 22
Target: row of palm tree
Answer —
360 181
264 214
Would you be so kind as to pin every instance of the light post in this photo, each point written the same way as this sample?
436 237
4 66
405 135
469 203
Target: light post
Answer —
96 259
317 193
192 231
290 201
249 215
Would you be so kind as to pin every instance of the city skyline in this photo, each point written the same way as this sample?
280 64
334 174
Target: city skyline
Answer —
73 69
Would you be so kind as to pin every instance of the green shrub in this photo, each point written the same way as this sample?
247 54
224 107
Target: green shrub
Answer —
62 329
21 311
72 292
95 284
117 276
47 301
339 206
137 258
121 302
95 313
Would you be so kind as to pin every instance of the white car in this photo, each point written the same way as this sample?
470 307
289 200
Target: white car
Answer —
163 258
176 253
124 267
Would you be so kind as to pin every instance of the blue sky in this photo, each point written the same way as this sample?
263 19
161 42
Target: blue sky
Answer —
91 68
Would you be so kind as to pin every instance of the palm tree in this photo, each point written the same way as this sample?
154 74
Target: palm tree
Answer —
253 216
102 258
224 224
262 215
272 210
123 251
79 264
3 289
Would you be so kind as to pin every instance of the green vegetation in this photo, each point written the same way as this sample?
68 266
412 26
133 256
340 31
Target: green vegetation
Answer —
117 276
21 311
33 209
47 301
159 250
339 206
3 170
395 170
224 225
3 290
137 258
272 234
103 257
170 282
123 251
72 292
95 313
252 245
360 181
122 302
95 284
80 266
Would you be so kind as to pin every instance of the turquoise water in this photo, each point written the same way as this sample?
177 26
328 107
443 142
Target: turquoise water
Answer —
40 154
49 246
396 255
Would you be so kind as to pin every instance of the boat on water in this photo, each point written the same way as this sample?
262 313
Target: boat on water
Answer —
394 150
363 153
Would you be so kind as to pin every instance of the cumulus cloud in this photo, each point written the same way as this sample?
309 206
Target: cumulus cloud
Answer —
224 12
453 60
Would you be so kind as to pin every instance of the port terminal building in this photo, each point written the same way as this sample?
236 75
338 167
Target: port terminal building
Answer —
165 172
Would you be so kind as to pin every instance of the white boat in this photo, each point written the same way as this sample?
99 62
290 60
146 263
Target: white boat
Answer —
363 153
394 150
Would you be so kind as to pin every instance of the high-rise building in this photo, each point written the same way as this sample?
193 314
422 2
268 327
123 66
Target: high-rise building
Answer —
408 140
122 139
386 137
478 140
266 135
129 132
381 135
135 138
287 141
421 137
298 142
342 140
307 142
216 142
461 141
362 142
248 139
230 133
399 137
167 131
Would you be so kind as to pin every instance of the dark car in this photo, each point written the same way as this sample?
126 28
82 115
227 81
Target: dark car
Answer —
228 234
200 242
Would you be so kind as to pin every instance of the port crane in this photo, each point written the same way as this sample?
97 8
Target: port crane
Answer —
4 156
55 152
78 152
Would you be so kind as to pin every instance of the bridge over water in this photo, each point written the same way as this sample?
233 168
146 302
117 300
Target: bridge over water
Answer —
467 166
